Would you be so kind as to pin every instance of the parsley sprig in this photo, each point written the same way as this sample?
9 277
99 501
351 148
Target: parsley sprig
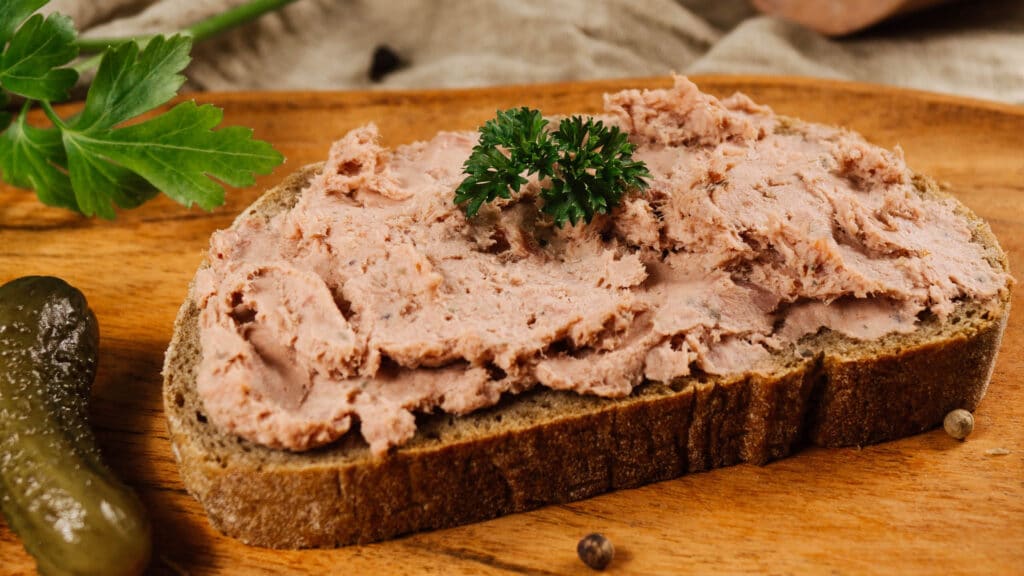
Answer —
590 166
103 156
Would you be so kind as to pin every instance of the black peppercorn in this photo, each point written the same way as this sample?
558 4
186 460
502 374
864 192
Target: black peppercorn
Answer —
596 551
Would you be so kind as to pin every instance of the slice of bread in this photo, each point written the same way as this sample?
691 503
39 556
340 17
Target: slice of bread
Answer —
545 446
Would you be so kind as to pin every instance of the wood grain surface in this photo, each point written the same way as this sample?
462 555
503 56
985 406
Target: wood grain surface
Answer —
922 505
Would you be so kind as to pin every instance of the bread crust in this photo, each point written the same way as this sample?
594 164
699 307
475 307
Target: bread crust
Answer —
548 447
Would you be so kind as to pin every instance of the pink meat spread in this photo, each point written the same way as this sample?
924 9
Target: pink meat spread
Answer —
375 298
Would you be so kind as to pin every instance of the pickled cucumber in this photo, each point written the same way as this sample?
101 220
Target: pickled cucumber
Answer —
72 514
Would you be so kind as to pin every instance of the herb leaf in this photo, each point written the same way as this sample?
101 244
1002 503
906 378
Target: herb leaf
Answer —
177 152
34 158
590 166
130 82
30 64
91 161
97 182
521 132
495 172
595 168
13 13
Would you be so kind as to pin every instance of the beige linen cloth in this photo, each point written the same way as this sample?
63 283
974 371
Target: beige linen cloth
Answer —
972 48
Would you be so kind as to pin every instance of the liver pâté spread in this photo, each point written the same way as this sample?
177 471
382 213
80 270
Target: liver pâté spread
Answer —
376 298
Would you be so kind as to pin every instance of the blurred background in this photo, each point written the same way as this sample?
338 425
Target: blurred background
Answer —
967 47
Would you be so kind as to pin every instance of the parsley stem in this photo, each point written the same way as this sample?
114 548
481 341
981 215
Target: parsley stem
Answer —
199 31
88 63
51 114
238 15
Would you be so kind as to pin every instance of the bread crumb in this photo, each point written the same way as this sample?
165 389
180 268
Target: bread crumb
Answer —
996 452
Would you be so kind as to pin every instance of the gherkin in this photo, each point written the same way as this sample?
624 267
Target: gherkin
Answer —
70 510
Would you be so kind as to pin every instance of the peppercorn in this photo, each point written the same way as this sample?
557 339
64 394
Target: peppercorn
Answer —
596 551
959 423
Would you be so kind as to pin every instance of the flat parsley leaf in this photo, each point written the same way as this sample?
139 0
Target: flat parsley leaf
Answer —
130 82
127 84
33 53
177 152
13 13
34 158
92 161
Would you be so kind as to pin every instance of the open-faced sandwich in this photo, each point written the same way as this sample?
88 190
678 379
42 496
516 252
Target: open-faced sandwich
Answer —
357 358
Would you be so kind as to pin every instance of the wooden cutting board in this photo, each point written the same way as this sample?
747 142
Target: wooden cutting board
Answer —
922 505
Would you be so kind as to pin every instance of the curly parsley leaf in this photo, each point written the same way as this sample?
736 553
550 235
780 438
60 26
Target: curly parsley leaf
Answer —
31 60
521 132
595 168
34 158
590 166
177 152
511 144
